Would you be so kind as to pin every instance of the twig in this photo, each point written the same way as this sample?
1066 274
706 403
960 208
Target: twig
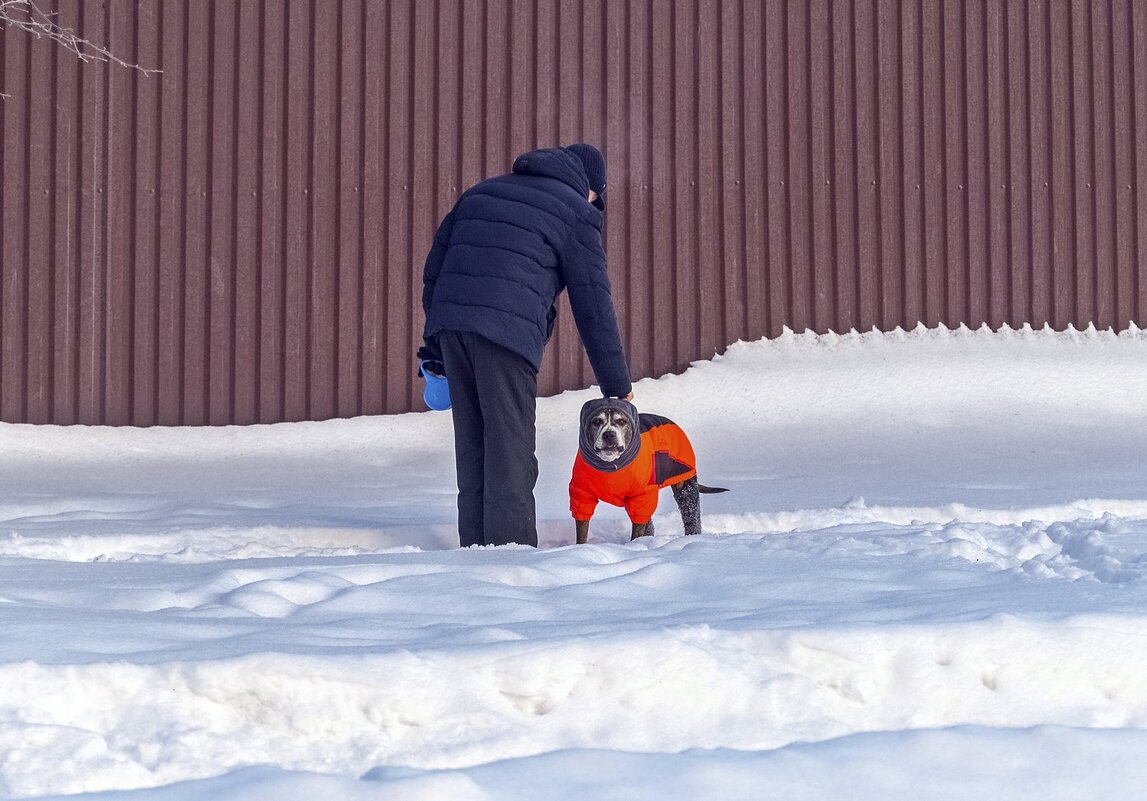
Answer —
26 15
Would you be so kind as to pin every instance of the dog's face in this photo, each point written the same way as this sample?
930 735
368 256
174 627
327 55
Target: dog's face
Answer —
610 431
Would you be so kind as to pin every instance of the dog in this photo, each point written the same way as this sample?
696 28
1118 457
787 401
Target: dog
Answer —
625 458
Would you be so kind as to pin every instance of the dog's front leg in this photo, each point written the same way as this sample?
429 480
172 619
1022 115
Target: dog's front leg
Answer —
642 530
582 527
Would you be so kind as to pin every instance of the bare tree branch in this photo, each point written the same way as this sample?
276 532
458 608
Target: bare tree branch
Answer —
26 15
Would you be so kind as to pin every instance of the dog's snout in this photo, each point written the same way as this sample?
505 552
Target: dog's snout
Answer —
609 436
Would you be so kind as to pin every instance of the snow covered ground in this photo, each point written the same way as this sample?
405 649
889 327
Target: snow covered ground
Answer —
930 574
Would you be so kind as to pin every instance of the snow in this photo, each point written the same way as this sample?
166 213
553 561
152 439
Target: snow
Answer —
930 572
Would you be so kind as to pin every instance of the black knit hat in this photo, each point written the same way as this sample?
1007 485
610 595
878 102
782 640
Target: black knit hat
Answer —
594 164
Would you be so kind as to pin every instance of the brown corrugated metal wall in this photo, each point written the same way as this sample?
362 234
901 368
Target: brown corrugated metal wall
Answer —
241 238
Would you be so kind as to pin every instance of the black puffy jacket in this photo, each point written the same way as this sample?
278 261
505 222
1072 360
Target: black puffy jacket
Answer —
509 247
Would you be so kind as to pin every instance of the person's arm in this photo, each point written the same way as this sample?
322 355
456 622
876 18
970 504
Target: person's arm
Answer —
430 351
584 273
434 260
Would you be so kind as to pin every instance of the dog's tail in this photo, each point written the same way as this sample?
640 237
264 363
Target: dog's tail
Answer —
710 490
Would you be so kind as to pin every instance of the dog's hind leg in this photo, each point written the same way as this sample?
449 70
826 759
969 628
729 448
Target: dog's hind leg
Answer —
689 504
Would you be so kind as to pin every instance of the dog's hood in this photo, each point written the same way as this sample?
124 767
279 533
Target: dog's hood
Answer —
585 443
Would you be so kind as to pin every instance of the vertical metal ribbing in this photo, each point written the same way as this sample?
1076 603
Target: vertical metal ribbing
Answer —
1137 58
827 164
7 411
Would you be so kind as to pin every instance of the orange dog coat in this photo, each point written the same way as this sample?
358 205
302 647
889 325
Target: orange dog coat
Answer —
664 459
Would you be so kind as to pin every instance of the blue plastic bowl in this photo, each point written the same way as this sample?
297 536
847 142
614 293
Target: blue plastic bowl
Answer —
436 392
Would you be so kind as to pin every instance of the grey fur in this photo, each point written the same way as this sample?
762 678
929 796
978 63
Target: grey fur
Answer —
688 499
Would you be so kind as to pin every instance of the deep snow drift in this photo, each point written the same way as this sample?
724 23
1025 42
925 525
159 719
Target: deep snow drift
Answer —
931 571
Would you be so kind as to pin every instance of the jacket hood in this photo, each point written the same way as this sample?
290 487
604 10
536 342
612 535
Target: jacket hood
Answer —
585 442
554 162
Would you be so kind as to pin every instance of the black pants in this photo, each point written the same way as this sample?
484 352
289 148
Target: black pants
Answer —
493 395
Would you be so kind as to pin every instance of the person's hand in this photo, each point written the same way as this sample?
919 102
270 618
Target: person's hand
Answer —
629 397
431 361
432 367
